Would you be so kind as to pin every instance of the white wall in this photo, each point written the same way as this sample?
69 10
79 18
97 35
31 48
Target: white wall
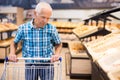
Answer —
81 14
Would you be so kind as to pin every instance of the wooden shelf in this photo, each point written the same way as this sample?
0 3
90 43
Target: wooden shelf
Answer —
77 56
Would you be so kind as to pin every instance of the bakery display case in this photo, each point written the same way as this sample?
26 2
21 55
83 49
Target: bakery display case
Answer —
10 19
98 47
105 55
5 41
90 32
77 56
104 21
4 47
104 51
76 48
8 28
66 27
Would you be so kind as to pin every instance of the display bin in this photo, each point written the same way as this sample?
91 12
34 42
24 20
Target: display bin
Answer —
77 56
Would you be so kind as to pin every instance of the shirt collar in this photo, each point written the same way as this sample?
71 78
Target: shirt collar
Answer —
33 26
31 23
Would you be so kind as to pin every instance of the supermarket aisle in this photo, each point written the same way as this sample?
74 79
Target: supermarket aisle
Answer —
64 77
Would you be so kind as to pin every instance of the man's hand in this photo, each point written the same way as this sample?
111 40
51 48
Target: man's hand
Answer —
12 57
55 58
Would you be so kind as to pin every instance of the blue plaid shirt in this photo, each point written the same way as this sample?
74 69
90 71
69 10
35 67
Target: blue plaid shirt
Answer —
37 42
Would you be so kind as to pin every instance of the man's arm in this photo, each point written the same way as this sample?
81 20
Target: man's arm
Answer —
58 48
56 56
12 55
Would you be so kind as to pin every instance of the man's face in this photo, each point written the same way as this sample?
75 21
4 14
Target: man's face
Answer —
42 18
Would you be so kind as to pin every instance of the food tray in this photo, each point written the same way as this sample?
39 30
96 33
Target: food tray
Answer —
85 31
102 39
98 49
76 48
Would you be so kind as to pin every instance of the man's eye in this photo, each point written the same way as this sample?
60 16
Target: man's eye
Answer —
43 17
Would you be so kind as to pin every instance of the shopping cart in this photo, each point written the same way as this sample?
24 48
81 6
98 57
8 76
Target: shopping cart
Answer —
22 70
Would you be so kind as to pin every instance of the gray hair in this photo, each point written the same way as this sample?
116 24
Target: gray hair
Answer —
42 5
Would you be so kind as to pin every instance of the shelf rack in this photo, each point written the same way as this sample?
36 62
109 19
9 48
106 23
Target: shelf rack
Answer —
97 72
104 17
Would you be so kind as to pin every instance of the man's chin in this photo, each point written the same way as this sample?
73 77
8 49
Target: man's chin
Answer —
43 25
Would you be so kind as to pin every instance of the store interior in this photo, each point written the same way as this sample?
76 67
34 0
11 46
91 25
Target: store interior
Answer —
90 36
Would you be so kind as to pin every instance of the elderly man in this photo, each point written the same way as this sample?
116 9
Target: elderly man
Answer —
38 38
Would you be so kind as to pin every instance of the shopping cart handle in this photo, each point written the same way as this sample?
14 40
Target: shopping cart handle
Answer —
60 59
7 59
